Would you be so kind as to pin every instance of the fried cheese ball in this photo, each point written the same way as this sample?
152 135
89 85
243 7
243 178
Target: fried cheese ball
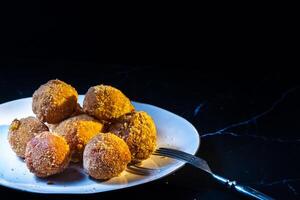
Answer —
105 103
47 154
54 101
106 156
78 131
138 131
22 131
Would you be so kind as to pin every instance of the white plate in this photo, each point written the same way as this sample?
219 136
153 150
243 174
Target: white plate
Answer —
173 131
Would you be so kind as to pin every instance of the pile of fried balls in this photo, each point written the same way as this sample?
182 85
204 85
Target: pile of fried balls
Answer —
105 134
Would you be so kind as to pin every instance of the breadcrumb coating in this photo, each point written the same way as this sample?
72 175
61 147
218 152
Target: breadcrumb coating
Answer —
78 131
139 132
105 103
22 131
47 154
106 133
106 156
54 101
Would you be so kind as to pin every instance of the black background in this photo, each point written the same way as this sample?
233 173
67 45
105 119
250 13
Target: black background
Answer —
239 74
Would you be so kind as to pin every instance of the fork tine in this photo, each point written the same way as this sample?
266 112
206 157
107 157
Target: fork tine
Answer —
173 155
177 153
168 153
174 151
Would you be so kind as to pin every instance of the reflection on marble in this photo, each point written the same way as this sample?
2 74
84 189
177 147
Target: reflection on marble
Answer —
198 108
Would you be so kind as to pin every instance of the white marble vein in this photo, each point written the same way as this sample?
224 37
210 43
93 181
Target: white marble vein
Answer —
288 182
224 131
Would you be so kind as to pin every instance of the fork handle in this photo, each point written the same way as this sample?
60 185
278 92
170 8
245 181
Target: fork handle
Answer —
245 190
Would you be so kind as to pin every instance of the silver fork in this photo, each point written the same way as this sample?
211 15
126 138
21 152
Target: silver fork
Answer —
202 164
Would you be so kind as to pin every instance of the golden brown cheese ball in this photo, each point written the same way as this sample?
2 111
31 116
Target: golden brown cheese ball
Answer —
47 154
139 132
22 131
106 156
54 101
106 103
78 131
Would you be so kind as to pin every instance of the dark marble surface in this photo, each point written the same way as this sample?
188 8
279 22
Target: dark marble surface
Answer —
248 122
